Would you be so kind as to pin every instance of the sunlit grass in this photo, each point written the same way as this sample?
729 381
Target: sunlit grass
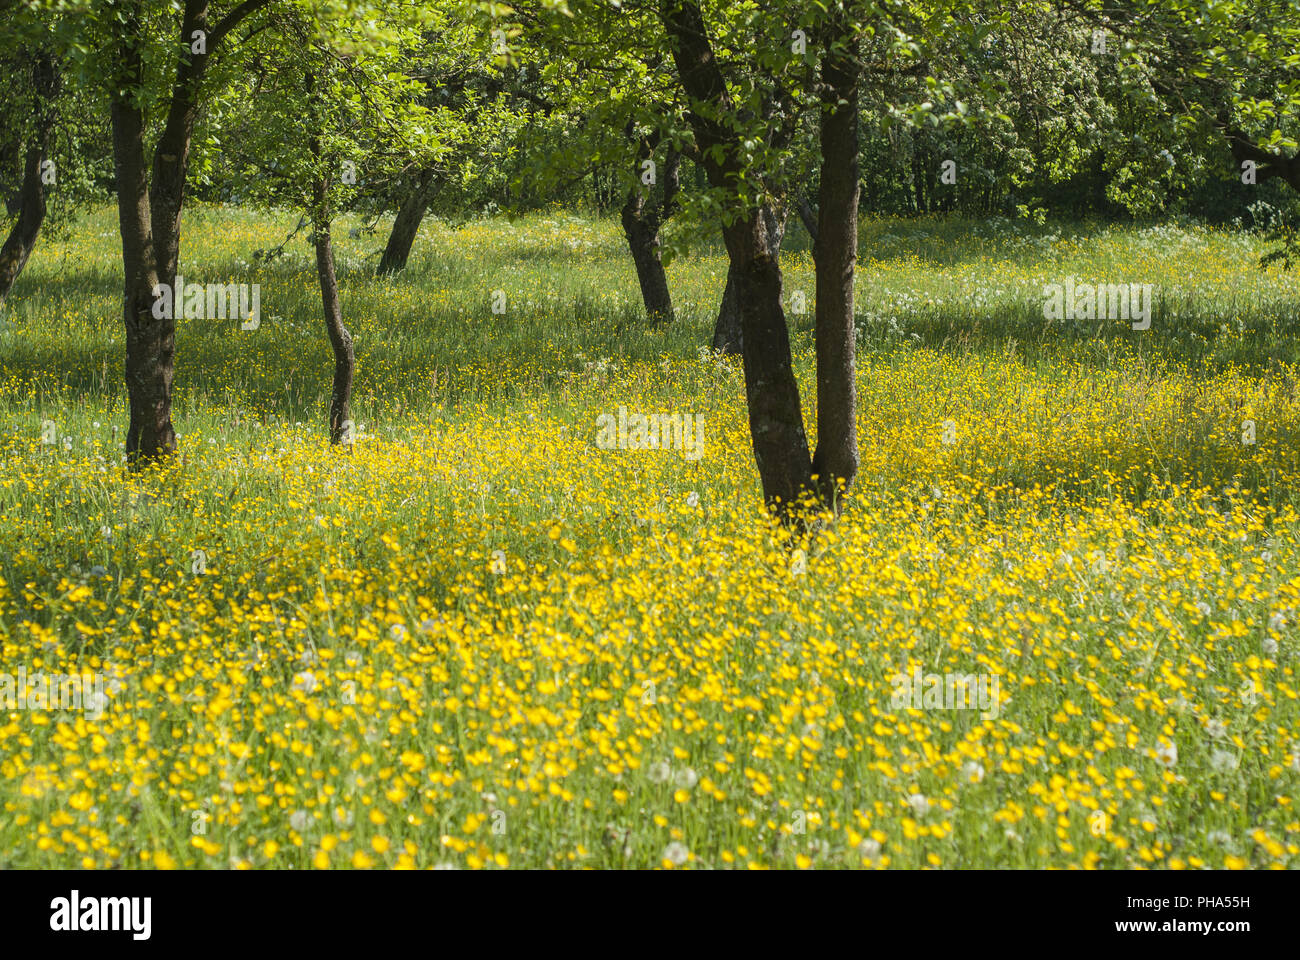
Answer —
656 678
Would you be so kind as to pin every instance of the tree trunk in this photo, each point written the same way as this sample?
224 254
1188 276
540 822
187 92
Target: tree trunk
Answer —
31 195
771 391
340 340
150 340
31 214
150 216
726 330
643 214
406 226
727 336
642 232
772 394
836 250
774 220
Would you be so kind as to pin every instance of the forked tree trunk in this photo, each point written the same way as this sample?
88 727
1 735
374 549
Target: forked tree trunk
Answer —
406 226
753 243
31 195
836 251
340 340
150 216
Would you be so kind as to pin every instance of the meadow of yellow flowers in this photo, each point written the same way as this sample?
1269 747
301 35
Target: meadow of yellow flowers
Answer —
478 640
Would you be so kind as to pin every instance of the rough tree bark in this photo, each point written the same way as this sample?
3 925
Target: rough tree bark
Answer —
726 329
31 195
150 340
772 394
727 336
407 225
835 253
643 214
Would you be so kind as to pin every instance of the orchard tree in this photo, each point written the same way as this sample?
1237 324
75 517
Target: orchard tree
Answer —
159 64
337 108
735 145
153 61
454 63
748 77
608 109
53 143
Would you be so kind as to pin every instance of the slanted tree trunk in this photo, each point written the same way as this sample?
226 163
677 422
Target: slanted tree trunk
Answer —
771 392
643 215
407 226
340 412
31 195
643 241
31 214
835 252
340 340
642 236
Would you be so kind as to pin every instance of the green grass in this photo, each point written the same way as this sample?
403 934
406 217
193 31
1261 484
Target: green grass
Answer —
1098 538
